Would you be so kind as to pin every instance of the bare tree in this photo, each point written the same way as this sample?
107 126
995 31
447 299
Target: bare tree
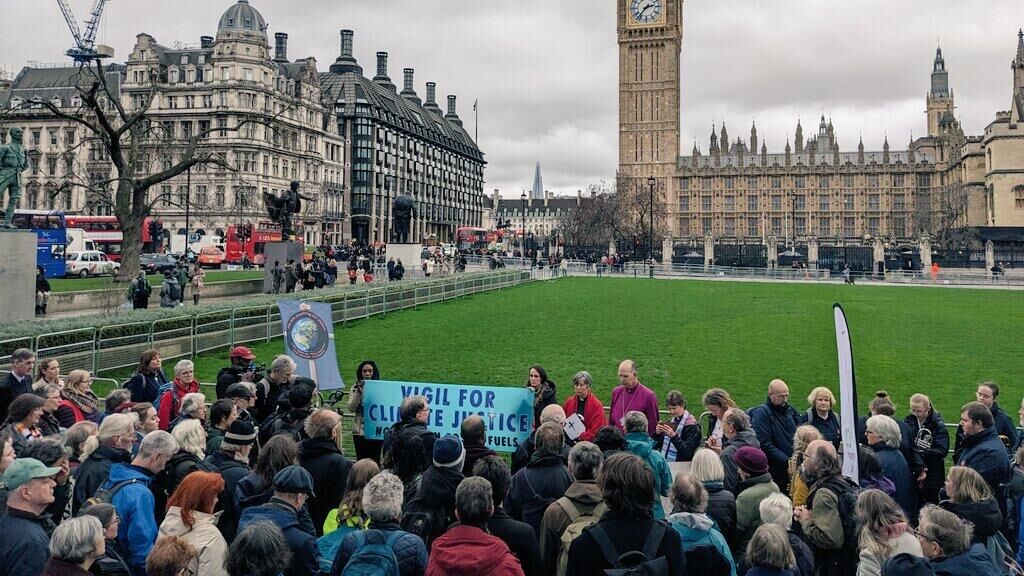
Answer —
942 213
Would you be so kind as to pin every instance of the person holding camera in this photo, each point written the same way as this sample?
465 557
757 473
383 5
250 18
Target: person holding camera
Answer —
242 369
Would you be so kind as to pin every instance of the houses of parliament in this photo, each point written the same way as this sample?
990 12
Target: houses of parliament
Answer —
931 187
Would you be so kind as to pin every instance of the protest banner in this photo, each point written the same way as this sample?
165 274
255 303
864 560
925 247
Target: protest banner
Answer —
847 395
507 412
309 340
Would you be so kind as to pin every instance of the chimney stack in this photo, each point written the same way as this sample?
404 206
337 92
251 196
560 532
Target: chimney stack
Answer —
452 116
346 62
382 71
206 41
280 47
346 43
408 92
431 103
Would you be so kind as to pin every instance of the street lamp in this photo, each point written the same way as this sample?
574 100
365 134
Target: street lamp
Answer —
650 239
523 198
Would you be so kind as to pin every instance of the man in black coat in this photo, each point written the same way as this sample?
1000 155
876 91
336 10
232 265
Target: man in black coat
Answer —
775 423
414 412
18 381
1005 429
519 537
474 439
232 462
982 449
320 456
241 360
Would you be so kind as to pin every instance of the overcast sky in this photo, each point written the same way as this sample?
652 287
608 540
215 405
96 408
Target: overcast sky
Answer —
545 72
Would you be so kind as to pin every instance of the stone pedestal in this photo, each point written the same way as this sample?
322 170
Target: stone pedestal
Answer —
990 255
773 252
926 253
410 255
611 248
666 251
279 252
878 251
709 251
17 275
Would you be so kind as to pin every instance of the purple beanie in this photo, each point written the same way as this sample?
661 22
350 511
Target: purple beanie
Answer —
751 460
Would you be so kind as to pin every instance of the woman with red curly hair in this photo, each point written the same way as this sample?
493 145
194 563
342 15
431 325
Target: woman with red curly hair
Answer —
190 517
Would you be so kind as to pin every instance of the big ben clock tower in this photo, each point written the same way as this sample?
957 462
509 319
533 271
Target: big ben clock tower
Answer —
650 40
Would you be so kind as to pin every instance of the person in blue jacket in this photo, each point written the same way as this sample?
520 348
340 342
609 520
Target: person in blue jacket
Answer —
135 504
822 416
292 487
640 444
695 527
149 377
775 423
1001 421
982 449
946 542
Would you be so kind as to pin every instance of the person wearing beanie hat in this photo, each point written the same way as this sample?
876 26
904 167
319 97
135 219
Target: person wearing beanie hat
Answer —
438 484
904 564
292 487
231 460
755 485
449 452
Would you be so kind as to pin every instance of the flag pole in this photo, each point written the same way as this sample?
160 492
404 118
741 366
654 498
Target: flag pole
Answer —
476 123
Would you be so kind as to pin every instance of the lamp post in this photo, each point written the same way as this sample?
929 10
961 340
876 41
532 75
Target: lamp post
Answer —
188 203
523 198
650 239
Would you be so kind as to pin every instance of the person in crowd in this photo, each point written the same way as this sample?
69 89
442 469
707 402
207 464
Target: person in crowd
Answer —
134 501
931 442
883 435
190 517
775 423
640 444
628 488
259 550
170 291
50 393
291 421
755 485
716 401
382 501
610 440
987 394
689 503
414 413
111 445
7 455
630 394
191 438
51 453
778 509
349 516
769 552
147 422
409 465
474 438
467 549
75 546
112 562
222 414
291 276
586 404
196 280
583 499
139 291
882 404
242 368
870 472
29 486
18 381
149 377
292 486
680 437
519 536
707 467
231 461
542 481
320 455
243 394
22 424
118 401
970 498
277 275
170 556
48 372
981 448
365 448
820 414
193 407
544 392
884 531
524 452
436 493
169 403
74 442
827 520
78 401
946 542
805 434
257 487
736 433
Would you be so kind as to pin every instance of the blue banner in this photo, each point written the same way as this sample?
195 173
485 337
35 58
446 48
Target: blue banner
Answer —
309 340
507 412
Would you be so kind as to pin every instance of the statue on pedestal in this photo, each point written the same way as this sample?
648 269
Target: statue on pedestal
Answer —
281 209
402 211
13 161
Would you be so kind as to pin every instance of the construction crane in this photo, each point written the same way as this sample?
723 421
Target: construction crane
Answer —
85 49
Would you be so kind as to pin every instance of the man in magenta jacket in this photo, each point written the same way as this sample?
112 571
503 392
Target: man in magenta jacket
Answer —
632 395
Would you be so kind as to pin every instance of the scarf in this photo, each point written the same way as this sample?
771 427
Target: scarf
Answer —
88 403
667 447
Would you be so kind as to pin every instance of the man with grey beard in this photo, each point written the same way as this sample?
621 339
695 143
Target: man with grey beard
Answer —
828 519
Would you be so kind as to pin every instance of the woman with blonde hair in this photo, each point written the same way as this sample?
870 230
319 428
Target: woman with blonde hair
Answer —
769 552
884 532
707 467
79 401
971 499
48 372
820 414
931 441
716 401
349 516
798 489
191 437
110 445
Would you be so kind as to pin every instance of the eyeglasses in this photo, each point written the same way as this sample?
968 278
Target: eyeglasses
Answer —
920 534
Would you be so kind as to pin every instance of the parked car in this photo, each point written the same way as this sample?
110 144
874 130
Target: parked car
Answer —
157 263
210 257
87 263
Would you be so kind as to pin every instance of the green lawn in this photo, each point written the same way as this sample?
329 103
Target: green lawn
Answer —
102 282
693 335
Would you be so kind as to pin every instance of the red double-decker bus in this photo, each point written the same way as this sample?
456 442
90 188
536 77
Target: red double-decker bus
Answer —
473 239
105 231
250 240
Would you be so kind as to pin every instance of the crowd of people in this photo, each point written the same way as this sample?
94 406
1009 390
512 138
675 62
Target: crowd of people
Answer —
158 479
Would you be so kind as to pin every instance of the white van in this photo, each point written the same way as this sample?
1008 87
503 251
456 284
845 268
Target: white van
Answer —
79 240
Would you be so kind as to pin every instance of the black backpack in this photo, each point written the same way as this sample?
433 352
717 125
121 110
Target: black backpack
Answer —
706 560
846 559
633 563
106 495
427 522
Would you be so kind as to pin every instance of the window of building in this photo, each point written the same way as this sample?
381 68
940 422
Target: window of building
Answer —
706 183
172 102
752 227
848 226
822 181
776 182
165 196
53 137
823 203
684 183
873 181
897 180
51 166
799 202
730 203
684 203
705 225
776 225
925 180
753 182
220 199
799 182
847 181
730 182
801 225
684 226
1018 197
705 203
776 202
899 226
848 202
824 225
752 202
899 202
873 225
730 226
874 202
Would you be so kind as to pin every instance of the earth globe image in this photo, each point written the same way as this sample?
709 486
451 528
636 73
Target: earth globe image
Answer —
307 336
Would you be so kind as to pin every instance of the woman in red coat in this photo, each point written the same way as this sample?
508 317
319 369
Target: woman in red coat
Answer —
586 404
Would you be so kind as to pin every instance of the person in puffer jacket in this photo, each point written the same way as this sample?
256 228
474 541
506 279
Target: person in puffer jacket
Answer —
292 486
640 444
946 542
694 526
721 507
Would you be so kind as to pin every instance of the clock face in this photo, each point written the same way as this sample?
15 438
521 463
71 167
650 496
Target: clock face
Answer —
646 11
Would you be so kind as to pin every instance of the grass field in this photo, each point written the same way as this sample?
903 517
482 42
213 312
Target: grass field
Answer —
692 335
102 282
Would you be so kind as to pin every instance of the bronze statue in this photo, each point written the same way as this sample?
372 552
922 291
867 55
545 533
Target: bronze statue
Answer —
281 209
13 161
402 211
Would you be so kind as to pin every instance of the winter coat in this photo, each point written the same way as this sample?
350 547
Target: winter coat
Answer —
56 567
748 506
585 496
329 468
232 471
474 454
170 403
830 428
641 445
593 414
895 468
803 554
1004 427
437 489
112 563
721 508
700 530
627 534
933 450
211 548
49 425
469 551
521 457
214 438
545 397
823 529
775 427
167 288
411 428
25 543
986 453
878 483
301 543
135 507
355 406
166 482
520 539
144 387
94 471
409 550
985 515
533 488
686 441
871 565
251 492
971 563
729 447
641 399
11 388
